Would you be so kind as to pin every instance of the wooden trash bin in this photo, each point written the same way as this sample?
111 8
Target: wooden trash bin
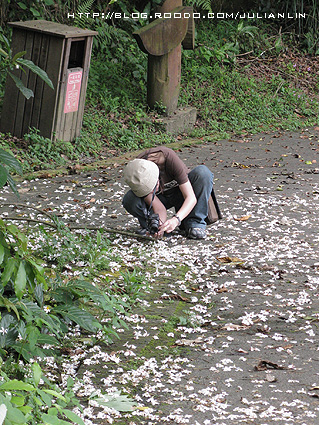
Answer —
64 52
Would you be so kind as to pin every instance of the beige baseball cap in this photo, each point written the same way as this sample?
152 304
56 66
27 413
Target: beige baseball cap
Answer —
141 175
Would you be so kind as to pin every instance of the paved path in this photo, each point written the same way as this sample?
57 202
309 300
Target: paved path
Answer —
248 352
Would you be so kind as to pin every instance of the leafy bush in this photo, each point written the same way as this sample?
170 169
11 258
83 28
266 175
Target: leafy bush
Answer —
36 310
39 152
35 400
8 163
229 98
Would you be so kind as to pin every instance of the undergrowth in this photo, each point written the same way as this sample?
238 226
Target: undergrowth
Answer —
229 78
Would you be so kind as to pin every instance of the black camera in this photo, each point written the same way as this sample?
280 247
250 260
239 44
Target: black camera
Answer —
153 222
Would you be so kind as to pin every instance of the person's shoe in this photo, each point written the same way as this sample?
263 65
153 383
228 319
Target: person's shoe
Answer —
196 233
141 232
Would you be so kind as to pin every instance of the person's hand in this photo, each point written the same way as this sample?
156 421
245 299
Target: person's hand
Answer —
168 226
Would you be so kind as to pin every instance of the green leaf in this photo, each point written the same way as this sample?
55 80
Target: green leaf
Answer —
53 420
53 411
18 56
33 335
13 185
73 417
47 400
8 271
40 72
98 238
38 400
15 416
13 229
23 350
35 12
79 316
44 339
55 394
9 305
3 53
49 2
26 409
37 373
22 5
38 294
23 240
27 93
278 43
3 176
8 159
16 385
5 41
20 281
18 400
116 401
36 313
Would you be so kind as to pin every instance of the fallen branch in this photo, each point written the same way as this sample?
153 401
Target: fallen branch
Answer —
31 220
29 207
70 226
110 230
82 227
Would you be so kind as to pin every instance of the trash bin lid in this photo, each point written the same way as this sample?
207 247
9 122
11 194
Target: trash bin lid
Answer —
53 28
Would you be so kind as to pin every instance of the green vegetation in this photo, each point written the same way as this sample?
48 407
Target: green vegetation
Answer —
23 401
243 76
40 305
9 62
8 163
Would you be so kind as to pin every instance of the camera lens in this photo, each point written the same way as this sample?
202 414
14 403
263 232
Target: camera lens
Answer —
153 223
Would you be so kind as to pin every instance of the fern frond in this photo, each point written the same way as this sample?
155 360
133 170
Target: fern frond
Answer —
106 35
205 5
81 19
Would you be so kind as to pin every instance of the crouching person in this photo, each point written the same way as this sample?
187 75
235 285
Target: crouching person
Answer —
159 180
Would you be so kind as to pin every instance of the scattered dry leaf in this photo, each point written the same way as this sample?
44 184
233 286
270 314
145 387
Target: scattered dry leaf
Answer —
243 218
238 165
222 289
229 260
45 176
175 297
314 395
85 206
265 365
241 350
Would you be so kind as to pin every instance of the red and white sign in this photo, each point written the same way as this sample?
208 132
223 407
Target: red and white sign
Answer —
73 92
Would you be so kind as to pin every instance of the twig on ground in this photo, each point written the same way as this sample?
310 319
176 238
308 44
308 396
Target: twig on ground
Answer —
30 207
82 227
31 220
